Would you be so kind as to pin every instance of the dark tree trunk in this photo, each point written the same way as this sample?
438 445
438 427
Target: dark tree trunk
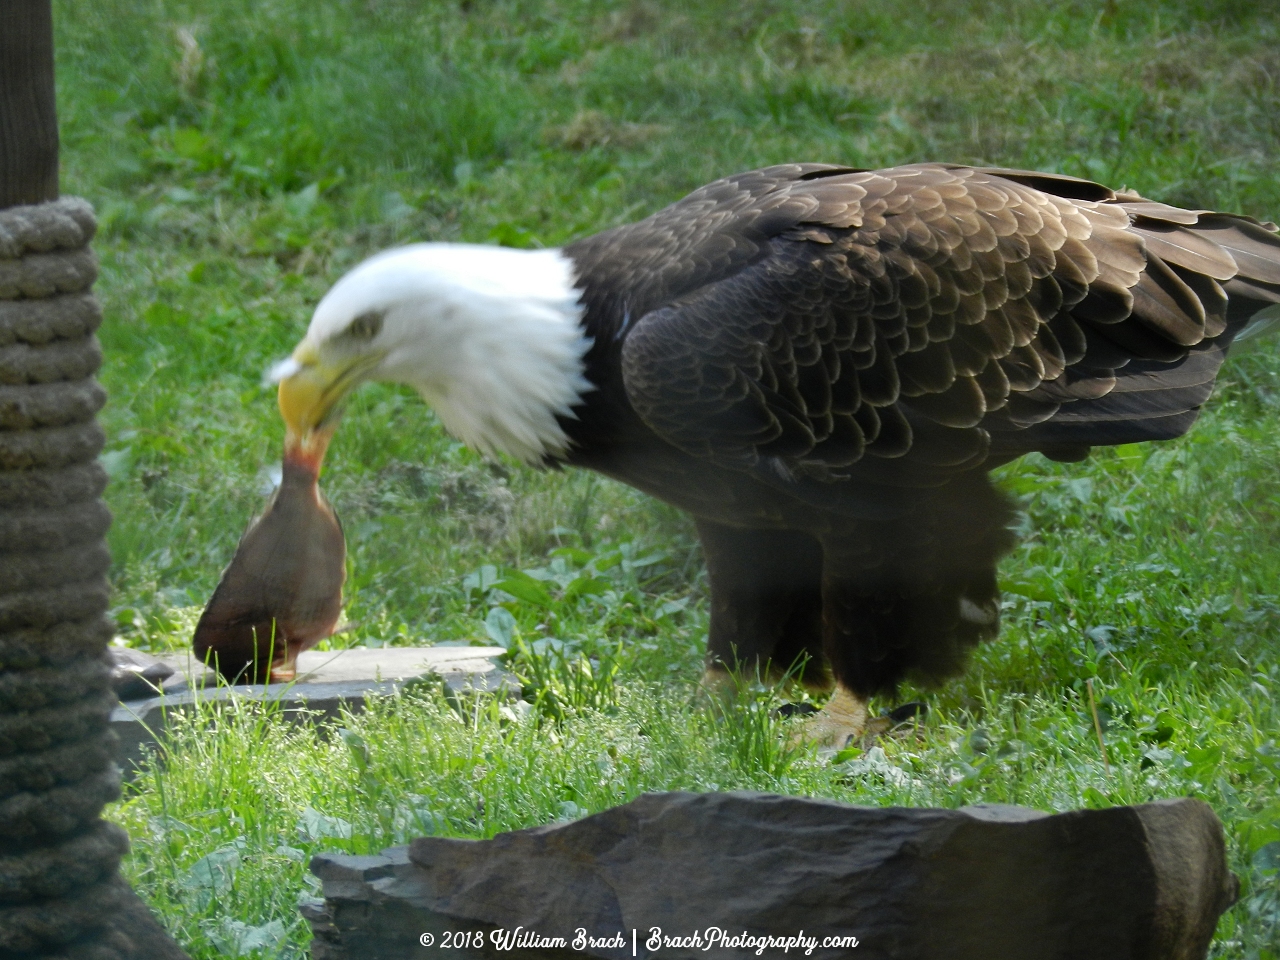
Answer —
28 117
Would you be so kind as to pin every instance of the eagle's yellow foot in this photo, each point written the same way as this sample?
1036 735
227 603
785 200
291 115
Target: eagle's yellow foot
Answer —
842 721
837 726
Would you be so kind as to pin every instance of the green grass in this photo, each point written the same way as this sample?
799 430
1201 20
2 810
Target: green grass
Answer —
242 155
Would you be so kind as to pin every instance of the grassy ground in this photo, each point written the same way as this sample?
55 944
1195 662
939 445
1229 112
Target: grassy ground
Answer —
241 155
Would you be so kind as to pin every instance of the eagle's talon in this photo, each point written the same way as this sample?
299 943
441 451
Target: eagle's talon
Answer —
788 710
907 712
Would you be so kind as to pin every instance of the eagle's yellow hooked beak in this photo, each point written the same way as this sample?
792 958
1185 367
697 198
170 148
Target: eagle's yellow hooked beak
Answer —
303 389
311 390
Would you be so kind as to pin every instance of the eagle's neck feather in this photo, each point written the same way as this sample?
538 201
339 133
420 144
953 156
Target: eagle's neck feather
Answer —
493 340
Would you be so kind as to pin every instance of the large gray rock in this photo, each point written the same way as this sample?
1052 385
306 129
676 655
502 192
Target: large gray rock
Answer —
980 883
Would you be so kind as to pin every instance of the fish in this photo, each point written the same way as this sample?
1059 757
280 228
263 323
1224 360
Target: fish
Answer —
281 593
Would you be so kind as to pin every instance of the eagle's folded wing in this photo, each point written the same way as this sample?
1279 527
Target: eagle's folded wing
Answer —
887 325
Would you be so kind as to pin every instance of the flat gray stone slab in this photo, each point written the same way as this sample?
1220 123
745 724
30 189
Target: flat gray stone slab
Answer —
357 664
328 681
742 875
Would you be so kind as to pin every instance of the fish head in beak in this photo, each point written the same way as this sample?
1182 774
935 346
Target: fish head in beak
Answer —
313 383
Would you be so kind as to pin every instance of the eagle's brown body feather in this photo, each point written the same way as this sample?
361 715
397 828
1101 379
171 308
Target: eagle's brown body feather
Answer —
822 364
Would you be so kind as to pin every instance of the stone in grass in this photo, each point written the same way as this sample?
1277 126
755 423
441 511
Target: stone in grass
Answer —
980 883
135 674
329 683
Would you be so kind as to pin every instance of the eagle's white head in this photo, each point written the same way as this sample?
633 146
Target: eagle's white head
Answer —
490 336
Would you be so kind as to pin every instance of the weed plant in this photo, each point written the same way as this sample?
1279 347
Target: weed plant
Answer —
242 155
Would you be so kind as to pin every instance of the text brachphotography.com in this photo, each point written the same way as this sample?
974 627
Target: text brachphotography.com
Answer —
654 941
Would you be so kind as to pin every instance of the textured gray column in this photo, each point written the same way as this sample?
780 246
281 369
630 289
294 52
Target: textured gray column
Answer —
60 892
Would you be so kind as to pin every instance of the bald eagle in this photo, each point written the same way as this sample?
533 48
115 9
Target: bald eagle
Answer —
822 365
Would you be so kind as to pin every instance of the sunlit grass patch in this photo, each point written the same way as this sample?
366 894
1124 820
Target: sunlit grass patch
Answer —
223 828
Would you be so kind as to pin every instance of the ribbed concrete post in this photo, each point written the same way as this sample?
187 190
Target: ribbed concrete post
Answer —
60 891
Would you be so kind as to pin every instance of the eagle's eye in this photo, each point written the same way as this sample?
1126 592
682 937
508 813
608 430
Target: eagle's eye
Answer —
367 325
